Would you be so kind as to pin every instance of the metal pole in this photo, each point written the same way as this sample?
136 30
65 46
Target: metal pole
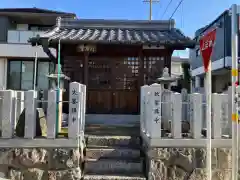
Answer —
234 105
150 10
35 70
208 88
58 86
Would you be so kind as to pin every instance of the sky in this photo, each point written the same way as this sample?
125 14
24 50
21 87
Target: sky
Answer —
190 16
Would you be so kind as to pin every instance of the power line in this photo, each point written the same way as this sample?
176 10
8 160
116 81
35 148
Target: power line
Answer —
166 8
176 9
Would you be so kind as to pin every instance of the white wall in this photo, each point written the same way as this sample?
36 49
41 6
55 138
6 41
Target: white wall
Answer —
176 68
222 80
3 73
22 50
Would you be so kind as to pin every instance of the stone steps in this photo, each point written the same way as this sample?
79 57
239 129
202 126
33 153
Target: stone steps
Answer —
113 177
113 141
113 166
111 130
112 152
113 157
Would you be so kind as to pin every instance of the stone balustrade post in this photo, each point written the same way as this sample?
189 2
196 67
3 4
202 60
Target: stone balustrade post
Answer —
196 115
176 124
30 114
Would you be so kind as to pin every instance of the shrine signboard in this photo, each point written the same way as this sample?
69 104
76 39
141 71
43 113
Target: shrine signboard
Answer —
86 48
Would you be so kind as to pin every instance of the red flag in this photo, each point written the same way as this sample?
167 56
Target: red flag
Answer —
206 47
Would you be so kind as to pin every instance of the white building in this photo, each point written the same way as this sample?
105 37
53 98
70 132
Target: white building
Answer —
176 66
16 54
221 56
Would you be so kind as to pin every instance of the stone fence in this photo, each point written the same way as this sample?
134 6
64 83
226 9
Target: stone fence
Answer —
21 107
171 119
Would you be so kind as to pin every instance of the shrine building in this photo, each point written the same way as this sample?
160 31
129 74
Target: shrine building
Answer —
113 58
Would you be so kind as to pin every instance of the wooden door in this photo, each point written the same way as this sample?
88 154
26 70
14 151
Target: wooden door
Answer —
125 102
126 86
99 102
99 95
112 87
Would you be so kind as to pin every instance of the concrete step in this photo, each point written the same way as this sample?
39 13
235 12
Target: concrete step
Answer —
110 141
112 152
113 177
113 166
112 130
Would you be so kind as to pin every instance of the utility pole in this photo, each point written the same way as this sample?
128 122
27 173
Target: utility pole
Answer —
150 6
235 113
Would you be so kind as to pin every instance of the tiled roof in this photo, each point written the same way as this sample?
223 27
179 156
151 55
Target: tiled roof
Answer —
34 10
116 31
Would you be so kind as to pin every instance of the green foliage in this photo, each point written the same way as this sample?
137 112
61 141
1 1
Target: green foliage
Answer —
186 81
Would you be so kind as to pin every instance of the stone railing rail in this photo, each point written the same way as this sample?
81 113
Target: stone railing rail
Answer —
14 104
170 119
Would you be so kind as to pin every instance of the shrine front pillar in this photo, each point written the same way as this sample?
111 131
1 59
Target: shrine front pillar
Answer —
85 68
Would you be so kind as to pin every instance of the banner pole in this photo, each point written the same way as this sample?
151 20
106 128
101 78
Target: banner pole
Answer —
206 44
208 89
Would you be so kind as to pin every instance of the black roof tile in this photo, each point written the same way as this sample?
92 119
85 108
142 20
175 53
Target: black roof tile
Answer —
117 31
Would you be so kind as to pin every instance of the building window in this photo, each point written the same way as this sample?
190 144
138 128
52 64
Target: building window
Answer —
14 75
202 82
21 74
27 72
44 68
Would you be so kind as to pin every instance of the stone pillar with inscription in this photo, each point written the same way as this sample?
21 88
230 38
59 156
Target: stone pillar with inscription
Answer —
76 110
155 110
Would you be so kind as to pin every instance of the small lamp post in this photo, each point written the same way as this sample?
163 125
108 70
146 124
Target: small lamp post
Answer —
53 77
166 79
165 82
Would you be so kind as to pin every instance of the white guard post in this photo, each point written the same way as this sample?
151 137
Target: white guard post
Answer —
155 106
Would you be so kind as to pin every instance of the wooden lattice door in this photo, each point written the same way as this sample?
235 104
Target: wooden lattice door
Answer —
113 86
99 86
126 78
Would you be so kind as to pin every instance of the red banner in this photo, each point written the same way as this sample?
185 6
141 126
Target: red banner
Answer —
206 47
